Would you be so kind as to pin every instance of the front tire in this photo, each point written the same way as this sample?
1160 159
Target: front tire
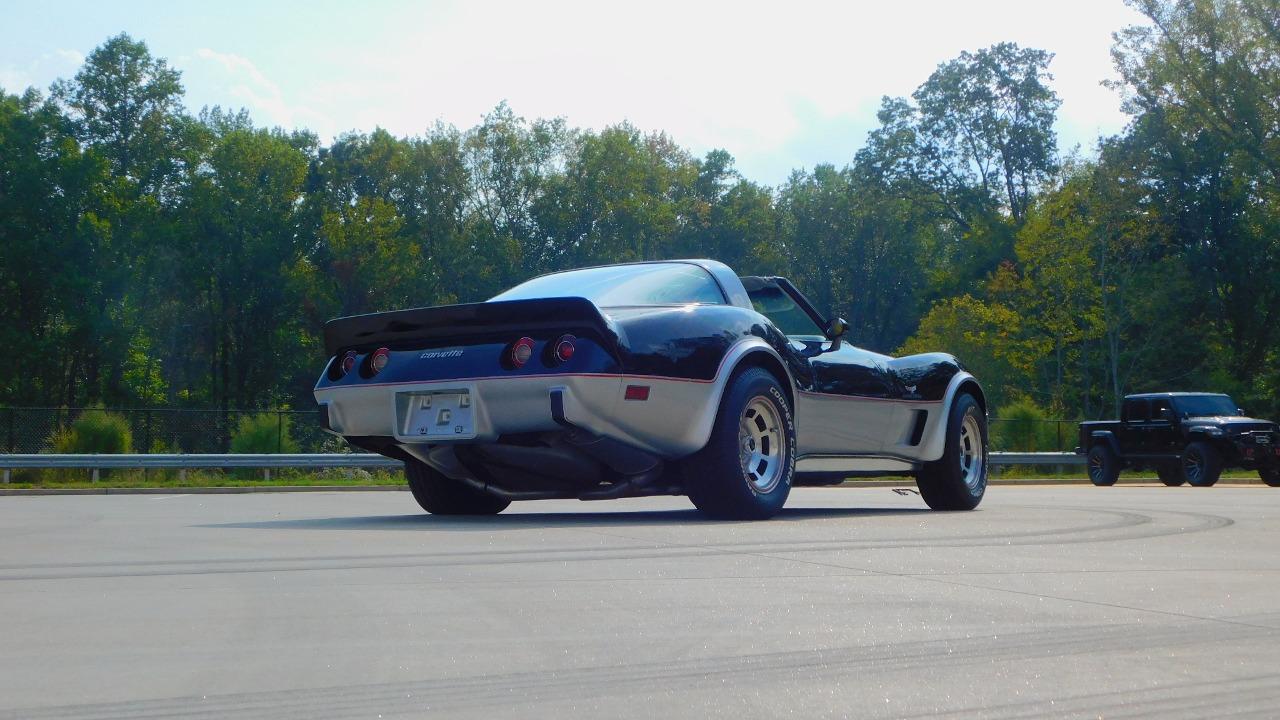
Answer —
1104 466
958 480
1201 464
1270 477
441 495
745 470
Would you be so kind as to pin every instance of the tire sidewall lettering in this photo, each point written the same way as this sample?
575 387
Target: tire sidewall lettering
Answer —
781 402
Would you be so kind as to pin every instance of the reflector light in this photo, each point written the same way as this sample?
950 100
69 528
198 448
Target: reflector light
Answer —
348 362
564 348
379 360
521 351
637 392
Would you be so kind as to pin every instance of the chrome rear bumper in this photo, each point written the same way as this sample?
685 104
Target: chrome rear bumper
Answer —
668 424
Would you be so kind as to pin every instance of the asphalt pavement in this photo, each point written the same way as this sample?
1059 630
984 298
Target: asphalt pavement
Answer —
1066 601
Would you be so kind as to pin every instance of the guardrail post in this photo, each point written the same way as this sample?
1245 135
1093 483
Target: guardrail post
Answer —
266 474
94 475
6 476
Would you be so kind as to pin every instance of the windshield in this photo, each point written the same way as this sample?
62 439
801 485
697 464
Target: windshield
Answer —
1206 405
623 285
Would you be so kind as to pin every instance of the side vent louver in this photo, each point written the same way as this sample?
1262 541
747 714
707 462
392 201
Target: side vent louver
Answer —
917 430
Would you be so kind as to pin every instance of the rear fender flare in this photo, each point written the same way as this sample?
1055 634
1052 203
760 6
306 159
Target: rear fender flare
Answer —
753 351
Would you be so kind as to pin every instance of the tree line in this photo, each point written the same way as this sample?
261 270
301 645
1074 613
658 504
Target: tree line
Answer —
154 257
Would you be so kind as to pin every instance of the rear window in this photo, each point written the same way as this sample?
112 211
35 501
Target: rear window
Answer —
625 285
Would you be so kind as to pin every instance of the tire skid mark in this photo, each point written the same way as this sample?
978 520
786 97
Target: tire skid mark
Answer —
419 697
1258 694
1126 519
1117 530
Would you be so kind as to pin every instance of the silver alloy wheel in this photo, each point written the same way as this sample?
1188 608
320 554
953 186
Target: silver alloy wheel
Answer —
972 453
762 450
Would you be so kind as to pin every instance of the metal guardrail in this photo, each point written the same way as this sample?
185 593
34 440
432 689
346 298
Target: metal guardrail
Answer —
267 463
1036 458
183 462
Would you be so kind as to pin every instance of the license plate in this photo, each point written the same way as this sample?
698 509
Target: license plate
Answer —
440 415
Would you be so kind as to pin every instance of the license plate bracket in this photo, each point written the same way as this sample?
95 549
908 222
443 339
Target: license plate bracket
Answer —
447 414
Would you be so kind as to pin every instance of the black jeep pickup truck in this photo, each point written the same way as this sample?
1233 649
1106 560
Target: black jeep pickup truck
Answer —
1184 437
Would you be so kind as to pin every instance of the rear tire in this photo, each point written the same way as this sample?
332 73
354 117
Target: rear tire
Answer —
745 470
1201 464
1170 475
1270 477
1104 466
958 480
441 495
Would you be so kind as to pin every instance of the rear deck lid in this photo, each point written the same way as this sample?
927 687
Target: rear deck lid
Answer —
404 327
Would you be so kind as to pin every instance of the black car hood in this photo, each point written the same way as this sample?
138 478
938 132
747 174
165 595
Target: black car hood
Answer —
1233 423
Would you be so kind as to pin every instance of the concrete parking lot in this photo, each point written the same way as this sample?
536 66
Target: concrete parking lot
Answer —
1047 601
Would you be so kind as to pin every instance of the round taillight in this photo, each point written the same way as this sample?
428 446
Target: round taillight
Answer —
521 351
348 362
379 359
564 348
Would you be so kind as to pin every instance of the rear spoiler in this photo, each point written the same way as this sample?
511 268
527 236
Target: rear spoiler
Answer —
513 316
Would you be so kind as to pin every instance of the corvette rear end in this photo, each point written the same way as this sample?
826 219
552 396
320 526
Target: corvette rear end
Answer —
520 399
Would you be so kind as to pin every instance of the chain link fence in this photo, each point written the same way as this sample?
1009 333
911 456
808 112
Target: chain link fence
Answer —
31 430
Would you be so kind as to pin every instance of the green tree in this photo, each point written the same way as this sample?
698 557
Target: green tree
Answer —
242 240
52 239
1200 80
987 339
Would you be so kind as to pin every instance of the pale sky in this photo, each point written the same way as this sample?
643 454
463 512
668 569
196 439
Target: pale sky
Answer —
780 85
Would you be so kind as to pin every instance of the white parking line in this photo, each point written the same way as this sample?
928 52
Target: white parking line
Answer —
169 497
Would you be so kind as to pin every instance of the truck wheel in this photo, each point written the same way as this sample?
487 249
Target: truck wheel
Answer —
441 495
1201 464
958 480
1270 477
1170 475
1104 466
746 468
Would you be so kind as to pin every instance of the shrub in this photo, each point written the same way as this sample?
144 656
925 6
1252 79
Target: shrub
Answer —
1022 426
95 431
263 433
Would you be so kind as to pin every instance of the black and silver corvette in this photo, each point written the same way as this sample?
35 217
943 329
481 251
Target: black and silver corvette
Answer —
649 378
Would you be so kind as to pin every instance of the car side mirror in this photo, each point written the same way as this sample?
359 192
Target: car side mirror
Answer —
835 330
